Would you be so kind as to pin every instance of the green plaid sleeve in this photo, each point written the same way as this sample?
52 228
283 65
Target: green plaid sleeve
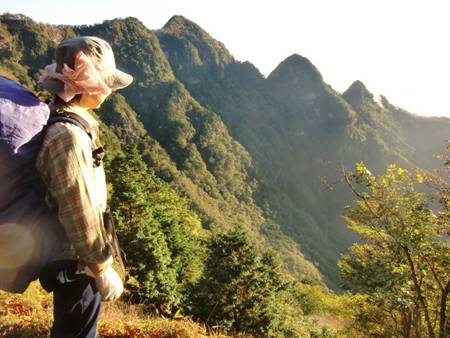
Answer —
65 165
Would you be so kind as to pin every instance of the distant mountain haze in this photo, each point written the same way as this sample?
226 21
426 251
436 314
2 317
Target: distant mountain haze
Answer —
245 149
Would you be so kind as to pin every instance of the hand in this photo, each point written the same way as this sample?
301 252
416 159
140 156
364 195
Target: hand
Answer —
107 281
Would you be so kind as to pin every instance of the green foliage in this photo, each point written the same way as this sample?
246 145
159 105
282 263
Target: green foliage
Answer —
193 49
311 298
124 122
402 262
157 231
244 291
16 72
136 48
291 124
29 44
186 144
359 318
242 149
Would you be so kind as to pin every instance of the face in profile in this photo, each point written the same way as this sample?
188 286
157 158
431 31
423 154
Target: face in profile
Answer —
92 101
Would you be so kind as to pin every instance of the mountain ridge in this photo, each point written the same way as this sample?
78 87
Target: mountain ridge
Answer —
245 149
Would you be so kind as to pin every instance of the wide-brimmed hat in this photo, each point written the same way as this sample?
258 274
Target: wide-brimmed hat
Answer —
93 55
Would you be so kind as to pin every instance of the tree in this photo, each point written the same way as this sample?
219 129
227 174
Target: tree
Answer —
157 231
403 259
245 291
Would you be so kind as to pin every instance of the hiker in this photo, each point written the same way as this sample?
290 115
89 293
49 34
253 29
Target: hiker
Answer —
70 165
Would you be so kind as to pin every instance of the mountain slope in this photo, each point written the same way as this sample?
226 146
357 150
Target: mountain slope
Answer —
246 150
298 130
185 143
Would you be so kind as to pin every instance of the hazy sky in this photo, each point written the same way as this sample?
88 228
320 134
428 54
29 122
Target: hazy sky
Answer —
399 48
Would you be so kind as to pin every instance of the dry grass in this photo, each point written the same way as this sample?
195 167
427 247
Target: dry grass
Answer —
30 316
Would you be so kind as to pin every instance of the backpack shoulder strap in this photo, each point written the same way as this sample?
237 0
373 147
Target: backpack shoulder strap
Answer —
66 118
97 153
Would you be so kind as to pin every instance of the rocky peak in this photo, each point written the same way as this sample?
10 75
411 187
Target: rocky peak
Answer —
180 36
296 69
358 95
12 17
179 25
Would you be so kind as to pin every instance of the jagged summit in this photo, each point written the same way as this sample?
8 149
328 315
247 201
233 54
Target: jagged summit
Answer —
128 20
17 17
189 45
298 60
297 64
179 24
297 69
358 94
180 27
358 88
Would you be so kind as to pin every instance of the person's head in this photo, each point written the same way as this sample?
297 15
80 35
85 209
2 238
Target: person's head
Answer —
84 73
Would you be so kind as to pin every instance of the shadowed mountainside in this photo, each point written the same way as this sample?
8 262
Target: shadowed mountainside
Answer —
246 150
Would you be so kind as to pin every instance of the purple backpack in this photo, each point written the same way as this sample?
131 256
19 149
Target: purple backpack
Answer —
30 233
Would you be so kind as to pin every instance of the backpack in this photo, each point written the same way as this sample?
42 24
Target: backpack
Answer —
30 232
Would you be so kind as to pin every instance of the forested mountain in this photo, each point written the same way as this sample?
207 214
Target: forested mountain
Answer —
298 130
243 149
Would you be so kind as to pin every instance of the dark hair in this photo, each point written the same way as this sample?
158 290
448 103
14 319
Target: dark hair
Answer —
57 104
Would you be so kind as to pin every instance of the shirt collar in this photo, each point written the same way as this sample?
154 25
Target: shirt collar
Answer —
84 117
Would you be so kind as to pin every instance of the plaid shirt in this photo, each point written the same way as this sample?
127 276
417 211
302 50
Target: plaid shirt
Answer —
75 186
